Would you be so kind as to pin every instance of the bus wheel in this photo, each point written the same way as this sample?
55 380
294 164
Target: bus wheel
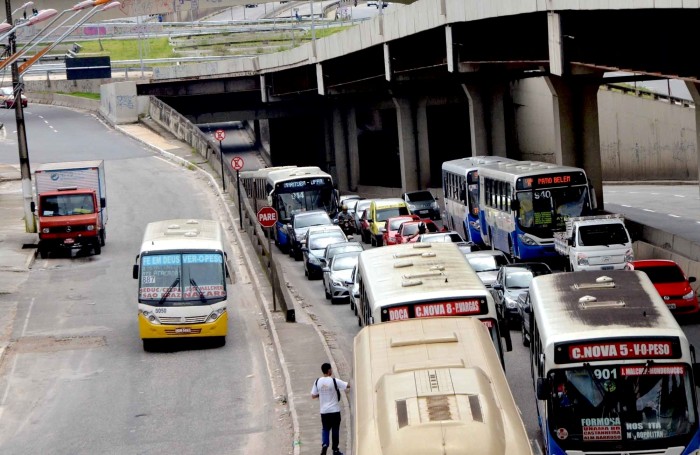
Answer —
219 342
148 345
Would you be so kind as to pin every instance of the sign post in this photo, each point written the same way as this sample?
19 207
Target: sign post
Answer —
267 217
219 135
237 165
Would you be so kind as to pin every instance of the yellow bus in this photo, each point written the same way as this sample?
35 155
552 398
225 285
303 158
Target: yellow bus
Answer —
419 280
432 386
182 275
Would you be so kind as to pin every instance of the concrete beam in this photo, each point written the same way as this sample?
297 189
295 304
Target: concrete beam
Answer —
487 117
406 125
694 89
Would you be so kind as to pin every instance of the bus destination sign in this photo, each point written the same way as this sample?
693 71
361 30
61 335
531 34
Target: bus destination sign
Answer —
618 349
302 184
551 180
462 307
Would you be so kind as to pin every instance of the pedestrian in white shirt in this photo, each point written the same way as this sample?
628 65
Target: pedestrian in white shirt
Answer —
327 390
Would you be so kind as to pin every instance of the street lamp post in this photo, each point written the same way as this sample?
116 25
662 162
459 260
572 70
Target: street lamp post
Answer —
25 171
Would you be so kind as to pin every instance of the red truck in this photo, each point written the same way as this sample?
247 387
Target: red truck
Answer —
71 206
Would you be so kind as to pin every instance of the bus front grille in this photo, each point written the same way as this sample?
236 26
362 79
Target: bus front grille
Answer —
183 320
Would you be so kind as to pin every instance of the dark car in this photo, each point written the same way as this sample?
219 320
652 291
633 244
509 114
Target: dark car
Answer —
523 303
422 203
340 247
316 240
360 207
299 224
511 281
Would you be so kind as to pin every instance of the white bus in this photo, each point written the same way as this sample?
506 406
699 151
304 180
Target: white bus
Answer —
421 280
290 189
460 188
182 275
432 386
612 370
523 202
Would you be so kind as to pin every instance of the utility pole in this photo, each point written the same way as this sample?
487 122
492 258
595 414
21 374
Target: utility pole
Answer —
25 171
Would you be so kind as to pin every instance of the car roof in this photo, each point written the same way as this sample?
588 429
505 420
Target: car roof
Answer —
323 228
486 253
528 265
309 212
347 244
653 263
348 254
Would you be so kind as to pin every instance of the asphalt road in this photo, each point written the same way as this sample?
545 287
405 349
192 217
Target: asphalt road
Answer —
77 380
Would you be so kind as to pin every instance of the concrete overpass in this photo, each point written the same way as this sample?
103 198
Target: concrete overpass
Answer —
433 81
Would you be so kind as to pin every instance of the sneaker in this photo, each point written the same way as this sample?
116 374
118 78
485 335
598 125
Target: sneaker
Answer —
337 452
324 449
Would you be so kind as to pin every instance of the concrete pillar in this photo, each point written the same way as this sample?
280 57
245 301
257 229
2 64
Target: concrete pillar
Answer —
341 151
405 121
423 144
353 148
256 131
576 129
487 118
694 90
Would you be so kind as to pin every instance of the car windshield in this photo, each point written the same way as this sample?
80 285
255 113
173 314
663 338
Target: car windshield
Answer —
419 196
663 273
487 263
636 404
518 279
385 214
344 262
332 251
67 204
321 241
603 234
315 219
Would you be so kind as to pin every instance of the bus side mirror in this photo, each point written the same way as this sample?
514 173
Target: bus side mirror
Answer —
103 202
32 207
696 373
691 279
594 201
135 271
543 388
514 204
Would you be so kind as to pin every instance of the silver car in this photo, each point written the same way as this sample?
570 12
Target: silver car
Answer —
486 264
337 274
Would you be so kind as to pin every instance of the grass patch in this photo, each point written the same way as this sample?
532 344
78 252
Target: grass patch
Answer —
128 49
92 96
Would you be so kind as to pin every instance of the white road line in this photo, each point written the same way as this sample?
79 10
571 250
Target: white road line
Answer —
625 205
674 216
648 210
26 319
678 195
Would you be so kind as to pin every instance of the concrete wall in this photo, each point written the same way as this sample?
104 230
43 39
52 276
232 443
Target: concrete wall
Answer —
640 138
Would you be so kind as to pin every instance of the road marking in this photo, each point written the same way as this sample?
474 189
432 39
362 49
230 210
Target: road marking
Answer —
26 319
14 362
649 210
628 206
678 195
675 216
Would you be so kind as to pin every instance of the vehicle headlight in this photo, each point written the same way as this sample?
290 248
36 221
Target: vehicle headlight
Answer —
337 283
91 227
526 240
151 317
45 230
411 207
629 255
689 295
216 314
582 259
511 303
314 260
435 205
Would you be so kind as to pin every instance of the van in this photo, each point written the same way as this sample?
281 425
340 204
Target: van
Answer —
379 211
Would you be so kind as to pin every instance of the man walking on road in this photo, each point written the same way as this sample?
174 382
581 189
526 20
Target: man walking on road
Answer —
327 390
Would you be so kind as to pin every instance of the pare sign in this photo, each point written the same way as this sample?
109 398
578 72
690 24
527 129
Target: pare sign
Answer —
267 217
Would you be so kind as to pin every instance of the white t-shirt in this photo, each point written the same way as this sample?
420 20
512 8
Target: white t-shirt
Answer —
327 395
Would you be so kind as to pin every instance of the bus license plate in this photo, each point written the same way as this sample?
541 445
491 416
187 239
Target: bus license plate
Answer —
183 330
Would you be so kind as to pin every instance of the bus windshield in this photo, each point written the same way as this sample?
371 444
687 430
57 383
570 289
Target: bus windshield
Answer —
303 201
611 403
182 279
544 210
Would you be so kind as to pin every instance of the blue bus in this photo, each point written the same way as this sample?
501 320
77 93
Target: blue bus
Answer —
522 203
290 189
460 189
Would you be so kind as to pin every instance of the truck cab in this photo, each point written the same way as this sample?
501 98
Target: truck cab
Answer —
599 242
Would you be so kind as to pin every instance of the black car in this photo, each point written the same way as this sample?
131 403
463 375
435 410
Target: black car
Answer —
511 281
423 204
525 314
299 224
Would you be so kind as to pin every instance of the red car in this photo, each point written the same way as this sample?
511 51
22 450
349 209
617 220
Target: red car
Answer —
392 227
365 233
408 231
671 282
7 97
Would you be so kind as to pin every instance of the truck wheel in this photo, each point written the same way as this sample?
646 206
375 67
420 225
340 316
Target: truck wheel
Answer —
43 252
97 248
103 234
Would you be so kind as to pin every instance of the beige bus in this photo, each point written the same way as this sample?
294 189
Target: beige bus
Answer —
432 386
420 280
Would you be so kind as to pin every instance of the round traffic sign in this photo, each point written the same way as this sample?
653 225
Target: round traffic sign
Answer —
237 163
219 135
267 217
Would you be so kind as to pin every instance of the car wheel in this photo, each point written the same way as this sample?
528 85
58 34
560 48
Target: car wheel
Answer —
103 235
298 256
526 341
328 295
290 251
97 248
352 305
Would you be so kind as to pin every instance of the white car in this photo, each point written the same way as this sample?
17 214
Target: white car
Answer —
486 264
337 274
354 289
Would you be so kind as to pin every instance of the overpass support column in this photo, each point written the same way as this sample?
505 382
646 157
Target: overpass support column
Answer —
576 130
353 148
340 150
406 126
487 118
423 144
694 90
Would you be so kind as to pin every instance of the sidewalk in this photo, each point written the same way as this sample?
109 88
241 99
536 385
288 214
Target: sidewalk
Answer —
300 346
